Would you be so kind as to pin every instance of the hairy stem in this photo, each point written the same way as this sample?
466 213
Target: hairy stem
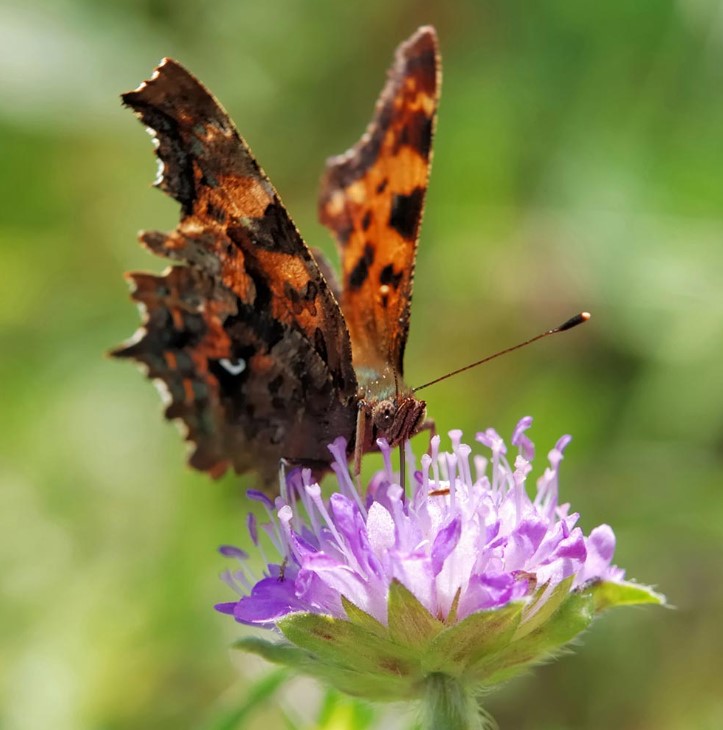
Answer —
448 704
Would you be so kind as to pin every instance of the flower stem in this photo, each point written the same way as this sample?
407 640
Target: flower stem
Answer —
448 704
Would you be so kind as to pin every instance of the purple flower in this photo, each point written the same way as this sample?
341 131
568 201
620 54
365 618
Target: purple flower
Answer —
467 534
462 563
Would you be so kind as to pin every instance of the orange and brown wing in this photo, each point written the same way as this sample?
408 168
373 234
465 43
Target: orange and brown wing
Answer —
246 337
372 199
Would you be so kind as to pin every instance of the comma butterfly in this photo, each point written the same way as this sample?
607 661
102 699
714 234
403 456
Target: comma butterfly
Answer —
261 354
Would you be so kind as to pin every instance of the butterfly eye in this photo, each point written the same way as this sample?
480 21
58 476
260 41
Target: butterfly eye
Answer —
383 415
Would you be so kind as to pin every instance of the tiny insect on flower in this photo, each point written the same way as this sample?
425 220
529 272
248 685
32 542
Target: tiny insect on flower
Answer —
462 574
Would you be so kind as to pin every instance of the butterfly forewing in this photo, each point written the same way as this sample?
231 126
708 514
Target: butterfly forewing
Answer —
372 199
245 336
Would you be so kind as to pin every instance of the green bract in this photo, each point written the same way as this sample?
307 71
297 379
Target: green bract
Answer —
362 657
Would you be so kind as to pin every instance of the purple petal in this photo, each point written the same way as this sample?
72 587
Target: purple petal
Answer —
256 496
230 551
338 450
492 440
270 600
573 546
253 532
350 524
523 543
521 440
556 571
600 551
228 608
323 584
301 547
414 571
444 543
601 542
486 591
318 592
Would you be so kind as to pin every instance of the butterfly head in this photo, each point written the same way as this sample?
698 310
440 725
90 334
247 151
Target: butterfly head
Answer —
397 419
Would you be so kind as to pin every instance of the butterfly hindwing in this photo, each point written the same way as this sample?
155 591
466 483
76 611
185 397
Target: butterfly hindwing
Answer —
372 198
245 334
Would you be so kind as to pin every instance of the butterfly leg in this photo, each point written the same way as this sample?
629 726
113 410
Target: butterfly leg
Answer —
361 429
429 425
284 466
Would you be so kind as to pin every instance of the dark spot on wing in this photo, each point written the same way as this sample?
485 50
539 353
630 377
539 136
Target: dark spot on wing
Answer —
367 220
207 178
320 345
272 232
241 236
278 403
294 298
262 291
275 384
214 211
175 340
406 212
309 295
389 277
344 233
416 133
302 299
423 68
360 272
382 185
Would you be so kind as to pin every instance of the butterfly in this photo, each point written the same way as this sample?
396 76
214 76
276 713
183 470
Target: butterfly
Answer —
260 353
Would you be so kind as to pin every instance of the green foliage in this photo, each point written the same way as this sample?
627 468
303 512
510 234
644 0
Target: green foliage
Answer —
256 696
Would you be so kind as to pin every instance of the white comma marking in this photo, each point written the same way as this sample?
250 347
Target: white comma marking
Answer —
235 368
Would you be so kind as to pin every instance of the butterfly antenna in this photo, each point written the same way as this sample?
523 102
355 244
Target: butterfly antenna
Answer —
567 325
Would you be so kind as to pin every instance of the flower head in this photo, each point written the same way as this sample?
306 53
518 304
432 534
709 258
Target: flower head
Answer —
462 573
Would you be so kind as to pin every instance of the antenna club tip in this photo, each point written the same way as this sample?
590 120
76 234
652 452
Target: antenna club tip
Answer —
574 321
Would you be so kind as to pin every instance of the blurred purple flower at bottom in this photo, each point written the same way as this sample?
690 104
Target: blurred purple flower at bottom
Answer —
462 574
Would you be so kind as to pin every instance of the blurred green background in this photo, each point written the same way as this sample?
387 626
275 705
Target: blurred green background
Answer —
578 165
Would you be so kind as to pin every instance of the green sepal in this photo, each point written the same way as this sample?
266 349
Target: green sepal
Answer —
607 594
542 605
346 644
409 622
480 634
451 618
275 652
572 617
352 675
361 657
368 686
361 618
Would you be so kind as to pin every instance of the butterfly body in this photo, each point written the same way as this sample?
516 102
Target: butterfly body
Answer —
261 354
